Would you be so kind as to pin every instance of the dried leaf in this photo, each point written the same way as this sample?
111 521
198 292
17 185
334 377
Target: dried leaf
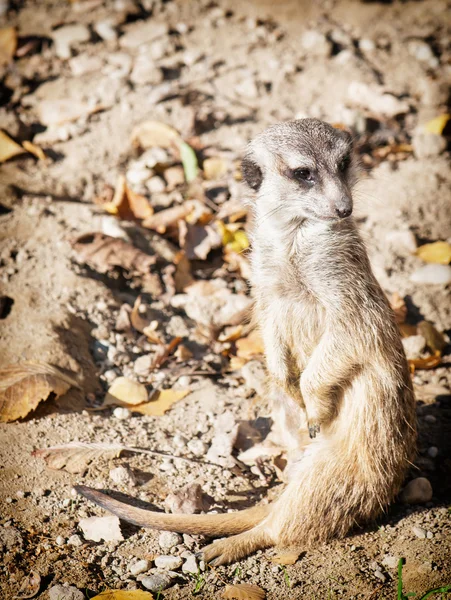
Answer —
8 44
125 392
399 307
24 386
231 334
35 150
162 403
250 346
289 557
8 147
151 134
233 238
30 586
437 252
437 125
198 241
55 112
138 322
103 253
243 591
189 161
139 204
434 339
214 168
97 529
168 217
407 330
75 457
126 203
183 353
124 595
425 363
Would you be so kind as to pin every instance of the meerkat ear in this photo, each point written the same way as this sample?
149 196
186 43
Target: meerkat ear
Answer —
252 173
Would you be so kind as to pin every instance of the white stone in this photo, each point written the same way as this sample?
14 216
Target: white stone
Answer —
417 491
75 540
419 532
143 33
402 241
432 451
367 45
65 592
121 413
414 346
197 447
60 541
169 563
138 567
155 185
105 30
83 63
374 99
432 274
422 52
427 145
247 88
190 565
143 365
65 37
390 561
315 43
145 71
169 539
101 528
122 476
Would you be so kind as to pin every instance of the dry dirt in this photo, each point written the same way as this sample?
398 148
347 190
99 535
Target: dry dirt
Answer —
218 72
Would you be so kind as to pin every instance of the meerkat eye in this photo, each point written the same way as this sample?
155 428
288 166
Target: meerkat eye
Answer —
343 165
303 175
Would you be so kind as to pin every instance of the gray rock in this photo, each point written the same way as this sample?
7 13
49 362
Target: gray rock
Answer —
145 71
169 563
414 346
432 274
379 575
65 37
190 565
432 451
390 561
138 567
10 539
60 540
427 145
315 43
422 52
197 447
376 100
156 582
417 491
419 532
143 365
430 419
105 30
62 592
169 539
143 33
75 540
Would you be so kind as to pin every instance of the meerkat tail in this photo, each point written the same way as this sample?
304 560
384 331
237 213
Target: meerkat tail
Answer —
216 525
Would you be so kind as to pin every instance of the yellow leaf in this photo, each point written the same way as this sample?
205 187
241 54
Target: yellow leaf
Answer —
437 125
124 595
288 557
152 134
250 346
35 150
23 387
243 591
162 403
233 238
126 392
437 252
8 44
8 147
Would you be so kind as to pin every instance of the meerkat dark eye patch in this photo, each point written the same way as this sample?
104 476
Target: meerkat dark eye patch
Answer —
301 174
344 163
252 174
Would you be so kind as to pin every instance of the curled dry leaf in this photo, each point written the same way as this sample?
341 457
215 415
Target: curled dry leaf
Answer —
23 387
8 147
162 402
35 150
437 252
30 586
437 125
103 253
243 591
8 44
124 595
151 134
434 339
424 363
75 457
143 324
126 203
125 391
287 557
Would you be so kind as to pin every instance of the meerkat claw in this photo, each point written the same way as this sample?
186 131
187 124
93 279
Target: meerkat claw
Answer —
313 430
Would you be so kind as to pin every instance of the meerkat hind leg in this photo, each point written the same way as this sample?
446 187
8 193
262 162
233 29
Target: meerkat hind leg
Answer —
239 546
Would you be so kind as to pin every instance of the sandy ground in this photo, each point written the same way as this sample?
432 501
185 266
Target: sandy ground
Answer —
218 72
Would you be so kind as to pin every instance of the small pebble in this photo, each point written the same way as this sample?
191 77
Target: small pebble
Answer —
168 540
379 575
65 592
419 532
430 419
122 413
105 30
60 541
122 476
427 145
390 561
417 491
138 567
75 540
433 451
156 582
170 563
197 447
190 565
432 274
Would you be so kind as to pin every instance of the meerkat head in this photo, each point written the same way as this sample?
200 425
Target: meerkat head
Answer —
301 170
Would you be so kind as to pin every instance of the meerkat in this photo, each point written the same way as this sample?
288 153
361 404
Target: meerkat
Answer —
333 352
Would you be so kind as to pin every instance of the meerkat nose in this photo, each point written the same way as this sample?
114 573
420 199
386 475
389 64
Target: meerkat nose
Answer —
343 211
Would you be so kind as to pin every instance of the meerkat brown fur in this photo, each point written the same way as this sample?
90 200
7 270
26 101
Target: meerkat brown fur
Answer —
333 353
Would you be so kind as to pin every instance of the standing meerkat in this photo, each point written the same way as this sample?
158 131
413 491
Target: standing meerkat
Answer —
333 353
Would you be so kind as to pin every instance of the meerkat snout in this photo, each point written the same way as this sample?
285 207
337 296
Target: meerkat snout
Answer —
301 170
